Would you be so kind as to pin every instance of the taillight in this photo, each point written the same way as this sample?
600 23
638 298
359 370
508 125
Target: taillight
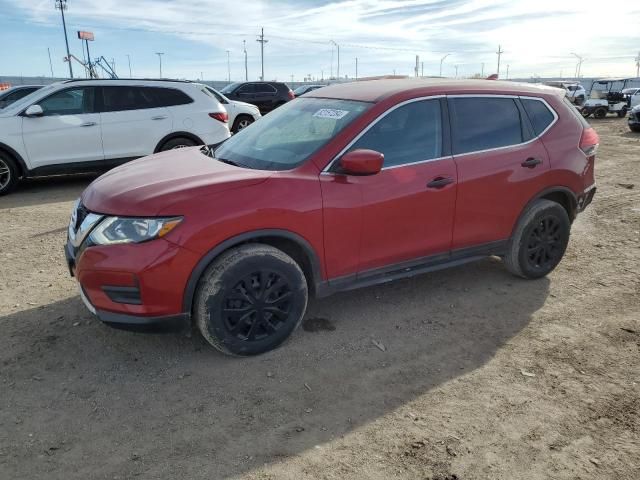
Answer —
589 142
291 95
220 116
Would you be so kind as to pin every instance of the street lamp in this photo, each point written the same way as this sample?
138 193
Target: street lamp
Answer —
228 67
160 59
579 65
442 60
338 47
62 6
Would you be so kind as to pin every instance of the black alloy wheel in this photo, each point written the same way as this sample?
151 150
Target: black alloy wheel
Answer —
544 245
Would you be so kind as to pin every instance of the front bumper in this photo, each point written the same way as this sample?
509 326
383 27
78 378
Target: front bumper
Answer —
133 286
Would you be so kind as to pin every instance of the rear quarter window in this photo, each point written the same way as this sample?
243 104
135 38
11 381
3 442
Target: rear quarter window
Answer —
539 114
168 97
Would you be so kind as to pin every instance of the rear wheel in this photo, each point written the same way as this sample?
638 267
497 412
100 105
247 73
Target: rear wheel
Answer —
8 173
600 112
241 121
250 300
622 113
178 142
635 128
539 240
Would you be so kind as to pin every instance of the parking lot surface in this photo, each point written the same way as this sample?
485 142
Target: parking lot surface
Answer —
467 373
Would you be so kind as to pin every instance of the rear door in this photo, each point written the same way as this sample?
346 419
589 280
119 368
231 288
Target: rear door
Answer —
266 96
67 132
132 121
401 214
501 165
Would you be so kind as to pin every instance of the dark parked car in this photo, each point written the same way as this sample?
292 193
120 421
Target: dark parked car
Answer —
634 119
302 89
14 94
359 184
264 95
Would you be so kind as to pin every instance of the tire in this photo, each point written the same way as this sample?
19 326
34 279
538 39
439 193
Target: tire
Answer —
622 113
9 173
236 292
539 240
600 112
585 112
241 121
178 142
635 128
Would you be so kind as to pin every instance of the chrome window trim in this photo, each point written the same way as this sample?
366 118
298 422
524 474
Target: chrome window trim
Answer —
325 170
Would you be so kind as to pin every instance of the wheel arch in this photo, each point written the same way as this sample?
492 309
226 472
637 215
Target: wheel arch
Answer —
561 195
173 135
17 157
299 249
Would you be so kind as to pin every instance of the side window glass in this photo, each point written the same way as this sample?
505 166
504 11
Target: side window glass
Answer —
167 97
246 88
119 99
265 88
74 101
539 114
411 133
482 123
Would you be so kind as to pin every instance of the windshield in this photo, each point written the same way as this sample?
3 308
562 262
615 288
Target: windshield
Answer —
290 134
300 90
26 101
230 88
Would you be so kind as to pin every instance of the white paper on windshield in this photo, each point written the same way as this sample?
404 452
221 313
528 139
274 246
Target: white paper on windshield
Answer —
330 113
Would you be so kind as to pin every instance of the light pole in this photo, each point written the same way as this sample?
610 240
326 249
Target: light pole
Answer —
246 71
228 66
338 67
441 61
579 65
62 6
160 59
456 71
129 60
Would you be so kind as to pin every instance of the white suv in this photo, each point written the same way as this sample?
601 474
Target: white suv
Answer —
93 125
241 114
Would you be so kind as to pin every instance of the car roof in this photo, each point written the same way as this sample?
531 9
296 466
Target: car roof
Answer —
605 80
378 90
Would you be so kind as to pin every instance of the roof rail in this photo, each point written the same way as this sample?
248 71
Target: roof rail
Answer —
129 79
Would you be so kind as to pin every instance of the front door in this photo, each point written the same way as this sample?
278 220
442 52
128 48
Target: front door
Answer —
67 132
401 214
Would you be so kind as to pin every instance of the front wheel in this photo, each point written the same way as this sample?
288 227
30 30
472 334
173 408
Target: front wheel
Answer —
600 112
539 240
8 174
250 300
241 122
585 112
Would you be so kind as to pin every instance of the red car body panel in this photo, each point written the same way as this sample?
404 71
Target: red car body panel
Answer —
352 224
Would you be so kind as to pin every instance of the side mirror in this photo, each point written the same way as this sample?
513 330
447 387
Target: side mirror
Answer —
362 162
34 111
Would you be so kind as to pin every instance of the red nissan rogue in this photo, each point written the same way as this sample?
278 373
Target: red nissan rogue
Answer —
349 186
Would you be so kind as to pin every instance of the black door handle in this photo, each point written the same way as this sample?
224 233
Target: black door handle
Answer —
439 182
531 162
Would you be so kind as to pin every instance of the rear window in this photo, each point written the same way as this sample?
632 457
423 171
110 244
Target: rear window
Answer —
168 97
539 114
483 123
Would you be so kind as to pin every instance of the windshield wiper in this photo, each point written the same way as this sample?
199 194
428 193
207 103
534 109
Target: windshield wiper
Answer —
230 162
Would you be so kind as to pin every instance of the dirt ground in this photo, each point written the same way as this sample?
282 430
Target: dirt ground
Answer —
483 375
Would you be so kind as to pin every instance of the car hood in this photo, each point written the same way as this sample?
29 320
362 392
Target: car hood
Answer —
153 184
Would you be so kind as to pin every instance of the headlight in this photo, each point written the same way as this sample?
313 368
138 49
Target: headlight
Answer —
113 230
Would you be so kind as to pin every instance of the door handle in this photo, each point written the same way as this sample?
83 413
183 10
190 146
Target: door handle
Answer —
88 124
159 117
439 182
531 162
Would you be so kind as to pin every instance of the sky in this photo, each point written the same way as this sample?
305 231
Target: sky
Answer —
203 39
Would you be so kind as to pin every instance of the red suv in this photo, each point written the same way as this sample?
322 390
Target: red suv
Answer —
349 186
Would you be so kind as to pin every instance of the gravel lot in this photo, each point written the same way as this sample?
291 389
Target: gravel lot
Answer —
483 375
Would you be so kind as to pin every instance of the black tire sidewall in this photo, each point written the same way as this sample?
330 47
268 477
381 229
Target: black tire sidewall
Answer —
560 214
239 118
13 173
174 142
229 278
598 113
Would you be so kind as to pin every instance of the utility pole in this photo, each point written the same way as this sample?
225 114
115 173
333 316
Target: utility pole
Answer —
456 71
499 53
482 70
228 66
422 69
129 60
62 6
50 63
638 65
338 66
442 60
160 59
417 65
507 71
246 71
262 42
322 75
356 68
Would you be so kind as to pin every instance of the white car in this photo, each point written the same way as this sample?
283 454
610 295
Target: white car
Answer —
241 114
573 91
93 125
634 96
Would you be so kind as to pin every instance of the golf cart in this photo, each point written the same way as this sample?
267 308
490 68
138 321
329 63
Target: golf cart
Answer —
606 97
